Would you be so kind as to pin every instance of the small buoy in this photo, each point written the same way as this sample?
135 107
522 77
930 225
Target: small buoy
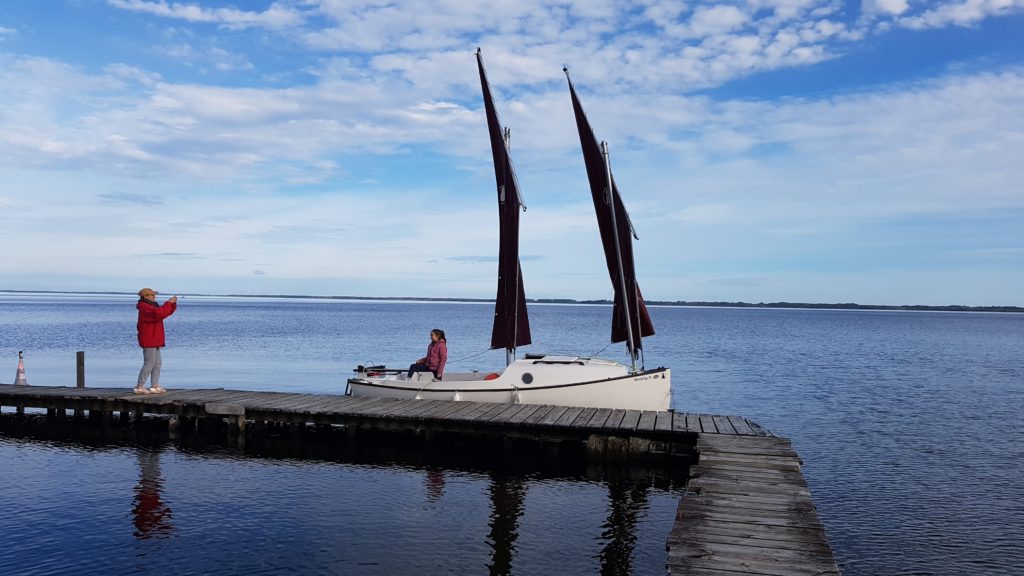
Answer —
516 399
417 397
457 397
19 379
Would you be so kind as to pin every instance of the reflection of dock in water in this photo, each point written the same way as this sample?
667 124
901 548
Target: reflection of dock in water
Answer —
507 493
747 508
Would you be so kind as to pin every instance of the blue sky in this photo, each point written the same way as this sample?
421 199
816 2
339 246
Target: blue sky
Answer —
768 150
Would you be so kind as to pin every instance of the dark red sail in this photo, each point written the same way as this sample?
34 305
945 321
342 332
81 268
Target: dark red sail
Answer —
631 302
511 323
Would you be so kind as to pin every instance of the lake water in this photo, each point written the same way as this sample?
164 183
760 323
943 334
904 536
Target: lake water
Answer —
909 423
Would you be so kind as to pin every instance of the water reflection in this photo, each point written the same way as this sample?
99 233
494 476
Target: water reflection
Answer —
494 508
151 516
628 501
506 495
433 481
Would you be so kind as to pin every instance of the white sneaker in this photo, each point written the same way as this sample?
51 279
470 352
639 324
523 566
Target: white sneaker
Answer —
157 389
141 390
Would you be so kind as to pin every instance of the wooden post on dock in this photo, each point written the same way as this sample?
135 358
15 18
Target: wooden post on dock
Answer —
80 361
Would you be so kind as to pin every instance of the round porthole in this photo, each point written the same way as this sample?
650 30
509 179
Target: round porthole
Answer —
527 378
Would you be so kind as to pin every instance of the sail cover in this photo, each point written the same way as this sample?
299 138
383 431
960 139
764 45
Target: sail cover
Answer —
631 302
511 323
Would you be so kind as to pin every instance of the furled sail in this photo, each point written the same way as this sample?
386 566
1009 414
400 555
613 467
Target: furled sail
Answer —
511 323
628 300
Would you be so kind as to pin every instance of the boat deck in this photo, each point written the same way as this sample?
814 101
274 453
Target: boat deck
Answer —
746 509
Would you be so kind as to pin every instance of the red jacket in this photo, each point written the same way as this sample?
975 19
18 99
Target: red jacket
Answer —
151 322
437 356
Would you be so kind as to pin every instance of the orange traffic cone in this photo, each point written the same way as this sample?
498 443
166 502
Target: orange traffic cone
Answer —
20 378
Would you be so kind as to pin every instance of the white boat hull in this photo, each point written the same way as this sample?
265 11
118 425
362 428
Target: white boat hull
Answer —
558 380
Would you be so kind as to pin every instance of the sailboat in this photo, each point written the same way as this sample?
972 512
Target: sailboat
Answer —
541 378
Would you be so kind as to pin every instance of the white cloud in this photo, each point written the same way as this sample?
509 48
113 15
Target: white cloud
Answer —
276 16
711 21
957 13
132 73
885 7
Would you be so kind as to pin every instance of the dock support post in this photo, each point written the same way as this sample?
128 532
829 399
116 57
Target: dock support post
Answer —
80 368
235 415
240 420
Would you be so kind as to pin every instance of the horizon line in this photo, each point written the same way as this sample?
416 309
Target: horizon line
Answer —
693 303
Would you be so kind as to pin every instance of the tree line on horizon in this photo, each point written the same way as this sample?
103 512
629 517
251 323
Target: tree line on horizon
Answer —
713 304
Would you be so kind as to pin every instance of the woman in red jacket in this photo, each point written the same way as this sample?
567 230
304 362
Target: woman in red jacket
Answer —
151 338
437 356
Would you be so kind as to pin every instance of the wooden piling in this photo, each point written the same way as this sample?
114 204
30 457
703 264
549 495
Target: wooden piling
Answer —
80 368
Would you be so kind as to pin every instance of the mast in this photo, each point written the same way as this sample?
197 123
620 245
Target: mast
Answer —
610 199
630 320
511 326
510 351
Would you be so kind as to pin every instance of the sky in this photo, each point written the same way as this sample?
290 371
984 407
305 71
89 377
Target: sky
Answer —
819 151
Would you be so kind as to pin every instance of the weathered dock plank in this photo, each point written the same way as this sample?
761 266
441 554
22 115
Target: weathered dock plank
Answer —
707 424
356 405
478 409
584 417
614 420
663 423
599 418
568 416
463 409
540 415
723 424
630 419
681 423
486 415
747 510
692 421
415 409
740 425
446 414
503 416
526 412
267 402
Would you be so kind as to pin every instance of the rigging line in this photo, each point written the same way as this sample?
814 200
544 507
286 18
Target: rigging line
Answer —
601 351
481 353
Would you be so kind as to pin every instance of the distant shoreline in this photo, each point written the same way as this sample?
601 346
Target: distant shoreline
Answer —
701 304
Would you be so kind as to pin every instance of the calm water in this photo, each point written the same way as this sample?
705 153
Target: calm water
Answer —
909 424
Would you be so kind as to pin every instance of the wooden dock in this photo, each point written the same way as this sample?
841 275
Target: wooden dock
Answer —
746 509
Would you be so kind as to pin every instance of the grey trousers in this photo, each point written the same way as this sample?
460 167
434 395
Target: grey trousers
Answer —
151 363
